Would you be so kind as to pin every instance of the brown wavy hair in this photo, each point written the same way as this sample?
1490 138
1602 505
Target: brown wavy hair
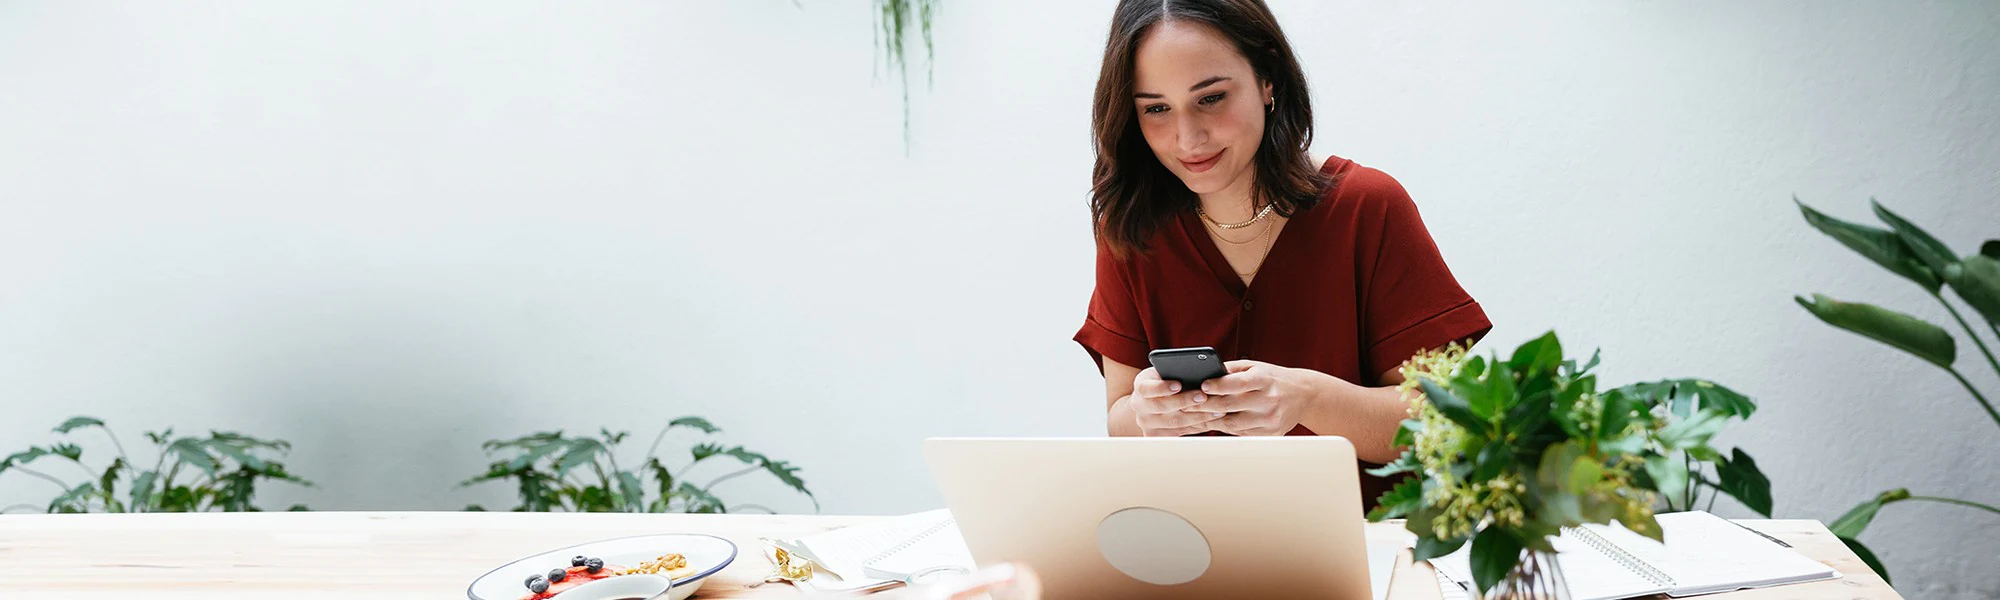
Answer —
1131 193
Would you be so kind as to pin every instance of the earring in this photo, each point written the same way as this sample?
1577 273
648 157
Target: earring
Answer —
1272 105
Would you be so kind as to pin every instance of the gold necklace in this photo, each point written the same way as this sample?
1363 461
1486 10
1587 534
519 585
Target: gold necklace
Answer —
1252 221
1226 240
1260 259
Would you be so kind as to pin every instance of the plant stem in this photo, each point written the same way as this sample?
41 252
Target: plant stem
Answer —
1958 502
114 443
58 482
731 475
1969 333
657 439
1975 395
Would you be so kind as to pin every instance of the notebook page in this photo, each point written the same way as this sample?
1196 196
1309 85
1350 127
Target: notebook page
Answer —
944 546
846 550
1594 575
1705 553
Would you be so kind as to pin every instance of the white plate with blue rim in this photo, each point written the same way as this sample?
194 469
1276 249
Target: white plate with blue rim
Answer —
706 555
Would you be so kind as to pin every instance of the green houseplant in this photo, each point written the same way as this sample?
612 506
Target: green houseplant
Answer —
582 474
1915 255
219 471
1503 453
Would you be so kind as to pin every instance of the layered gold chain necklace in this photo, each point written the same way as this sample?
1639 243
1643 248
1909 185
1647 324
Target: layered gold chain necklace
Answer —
1266 235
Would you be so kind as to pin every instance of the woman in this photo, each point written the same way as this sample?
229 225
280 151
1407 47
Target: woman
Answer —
1215 228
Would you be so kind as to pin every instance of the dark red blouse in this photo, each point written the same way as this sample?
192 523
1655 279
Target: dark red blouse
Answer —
1350 288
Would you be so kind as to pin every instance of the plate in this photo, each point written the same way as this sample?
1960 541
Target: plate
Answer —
706 554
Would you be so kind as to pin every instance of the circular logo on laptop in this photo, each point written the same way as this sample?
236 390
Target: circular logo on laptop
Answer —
1153 545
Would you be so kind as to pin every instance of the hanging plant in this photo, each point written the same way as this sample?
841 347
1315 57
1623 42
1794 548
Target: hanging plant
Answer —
894 20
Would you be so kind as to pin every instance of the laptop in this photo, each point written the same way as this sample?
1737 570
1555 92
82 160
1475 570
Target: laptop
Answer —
1193 517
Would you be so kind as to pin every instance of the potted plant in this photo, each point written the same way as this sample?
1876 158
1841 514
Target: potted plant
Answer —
219 471
582 474
1914 254
1503 454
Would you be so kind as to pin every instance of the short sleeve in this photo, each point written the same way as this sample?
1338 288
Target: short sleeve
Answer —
1411 301
1111 326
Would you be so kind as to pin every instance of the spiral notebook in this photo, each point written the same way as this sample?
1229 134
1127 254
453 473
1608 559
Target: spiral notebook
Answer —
886 549
1703 554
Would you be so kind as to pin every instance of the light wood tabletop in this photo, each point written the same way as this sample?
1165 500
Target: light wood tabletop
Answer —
434 555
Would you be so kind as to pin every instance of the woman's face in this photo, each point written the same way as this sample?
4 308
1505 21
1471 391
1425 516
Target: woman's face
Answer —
1200 105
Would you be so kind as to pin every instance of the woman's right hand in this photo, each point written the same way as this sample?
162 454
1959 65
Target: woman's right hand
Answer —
1159 406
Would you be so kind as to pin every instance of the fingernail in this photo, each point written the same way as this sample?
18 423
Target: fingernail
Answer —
1200 397
1174 387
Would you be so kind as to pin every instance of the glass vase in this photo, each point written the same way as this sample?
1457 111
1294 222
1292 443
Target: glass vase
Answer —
1537 577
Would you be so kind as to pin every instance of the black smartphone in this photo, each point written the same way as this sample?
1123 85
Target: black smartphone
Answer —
1190 366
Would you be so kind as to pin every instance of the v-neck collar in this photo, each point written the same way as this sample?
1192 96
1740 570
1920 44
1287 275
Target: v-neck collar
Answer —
1218 265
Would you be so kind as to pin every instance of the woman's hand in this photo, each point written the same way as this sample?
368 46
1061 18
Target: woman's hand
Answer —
1258 398
1163 409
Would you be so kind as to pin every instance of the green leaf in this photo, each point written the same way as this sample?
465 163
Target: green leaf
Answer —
108 482
74 500
1741 479
1910 334
1868 558
633 492
1645 525
142 491
694 422
582 451
699 500
1399 501
1933 253
75 422
1584 473
1541 355
1407 463
704 450
1879 245
24 457
1990 249
1670 476
1494 553
1856 520
1695 431
1452 406
1630 444
784 471
1428 548
1492 461
1977 281
238 454
190 451
1406 433
534 453
1491 397
67 450
1683 397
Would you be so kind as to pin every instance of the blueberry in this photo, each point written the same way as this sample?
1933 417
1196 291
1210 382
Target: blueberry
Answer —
557 575
576 561
538 585
594 565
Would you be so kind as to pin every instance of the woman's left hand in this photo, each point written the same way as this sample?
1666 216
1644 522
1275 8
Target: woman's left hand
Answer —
1260 398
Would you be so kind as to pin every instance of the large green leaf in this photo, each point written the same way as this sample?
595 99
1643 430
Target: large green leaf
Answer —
1494 553
1452 406
75 422
1399 501
1540 355
1868 558
1428 547
1934 254
107 484
784 471
142 491
631 491
1990 249
1856 520
1670 476
1741 479
534 453
695 422
1683 397
238 454
24 457
704 450
1879 245
68 450
1977 281
582 451
1693 431
76 500
192 452
1910 334
1407 463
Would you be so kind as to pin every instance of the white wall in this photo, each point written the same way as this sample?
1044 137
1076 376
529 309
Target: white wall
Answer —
388 231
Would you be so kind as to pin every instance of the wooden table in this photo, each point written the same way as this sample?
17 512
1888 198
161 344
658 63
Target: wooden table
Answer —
434 555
